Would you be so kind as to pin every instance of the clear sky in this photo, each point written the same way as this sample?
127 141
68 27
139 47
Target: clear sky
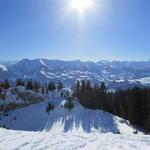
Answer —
52 29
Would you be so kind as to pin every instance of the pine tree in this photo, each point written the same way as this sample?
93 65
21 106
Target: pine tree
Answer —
51 86
20 82
82 93
77 88
147 124
36 86
49 107
59 86
6 84
46 88
29 85
43 90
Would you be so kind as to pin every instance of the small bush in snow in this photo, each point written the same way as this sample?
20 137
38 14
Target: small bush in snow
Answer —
135 132
69 105
49 107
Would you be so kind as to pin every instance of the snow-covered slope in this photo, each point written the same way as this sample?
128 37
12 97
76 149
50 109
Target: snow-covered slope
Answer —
68 130
144 81
35 118
80 128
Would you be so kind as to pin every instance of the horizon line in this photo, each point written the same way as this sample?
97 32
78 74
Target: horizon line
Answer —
100 60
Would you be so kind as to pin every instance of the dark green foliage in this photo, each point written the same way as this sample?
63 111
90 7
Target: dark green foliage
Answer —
36 86
29 85
51 86
76 88
46 88
132 104
93 97
20 82
2 95
59 86
68 104
49 107
43 90
5 84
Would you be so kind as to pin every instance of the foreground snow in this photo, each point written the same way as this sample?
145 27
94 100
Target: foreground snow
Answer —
25 140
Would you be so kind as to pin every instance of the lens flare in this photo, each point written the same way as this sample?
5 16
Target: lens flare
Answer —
81 5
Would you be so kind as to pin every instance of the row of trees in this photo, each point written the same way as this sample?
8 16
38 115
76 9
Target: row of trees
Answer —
33 85
93 97
132 104
5 84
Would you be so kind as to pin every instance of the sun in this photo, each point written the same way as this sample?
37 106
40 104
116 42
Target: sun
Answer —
81 5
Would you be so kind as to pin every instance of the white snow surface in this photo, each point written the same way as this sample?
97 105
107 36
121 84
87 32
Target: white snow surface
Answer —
25 140
145 80
61 129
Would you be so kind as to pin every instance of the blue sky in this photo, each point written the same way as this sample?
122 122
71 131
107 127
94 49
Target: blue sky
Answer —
112 30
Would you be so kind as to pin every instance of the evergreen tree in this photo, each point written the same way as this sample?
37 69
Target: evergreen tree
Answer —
51 86
59 86
77 88
36 85
132 104
29 85
6 84
49 107
43 90
20 82
46 88
147 124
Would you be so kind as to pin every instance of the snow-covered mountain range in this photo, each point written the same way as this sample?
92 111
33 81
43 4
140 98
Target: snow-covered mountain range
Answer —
114 73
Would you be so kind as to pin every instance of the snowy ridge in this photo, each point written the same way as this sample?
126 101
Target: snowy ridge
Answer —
144 81
2 67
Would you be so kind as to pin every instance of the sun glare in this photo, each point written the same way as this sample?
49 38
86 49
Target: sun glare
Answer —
81 5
